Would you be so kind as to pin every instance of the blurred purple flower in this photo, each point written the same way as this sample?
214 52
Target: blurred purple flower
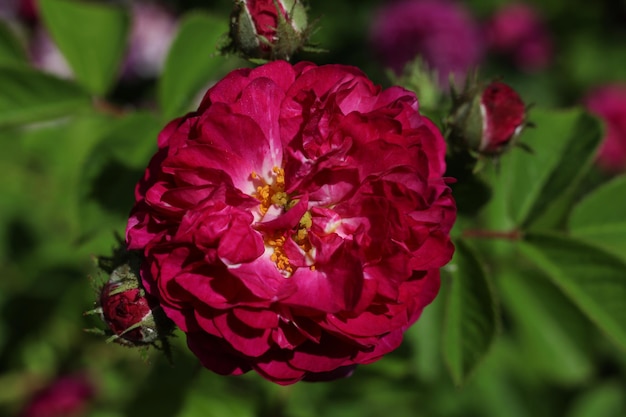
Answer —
442 32
67 396
518 32
8 9
23 16
46 56
609 103
152 33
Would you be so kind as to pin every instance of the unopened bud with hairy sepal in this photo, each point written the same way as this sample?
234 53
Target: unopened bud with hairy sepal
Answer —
486 118
131 316
268 29
125 309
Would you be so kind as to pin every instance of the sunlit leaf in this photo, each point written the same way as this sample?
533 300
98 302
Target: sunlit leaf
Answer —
31 96
91 36
601 217
193 61
538 188
593 279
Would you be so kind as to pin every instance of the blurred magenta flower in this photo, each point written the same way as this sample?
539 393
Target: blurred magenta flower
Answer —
24 10
296 222
29 11
152 32
609 103
442 32
68 396
518 32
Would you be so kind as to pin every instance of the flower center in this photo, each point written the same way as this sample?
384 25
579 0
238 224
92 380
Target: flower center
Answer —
279 257
270 194
273 194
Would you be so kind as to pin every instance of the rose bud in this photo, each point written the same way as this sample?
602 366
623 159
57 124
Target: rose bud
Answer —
609 104
296 222
133 318
268 29
486 119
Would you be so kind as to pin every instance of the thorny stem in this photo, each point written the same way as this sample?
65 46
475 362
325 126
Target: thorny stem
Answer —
106 107
493 234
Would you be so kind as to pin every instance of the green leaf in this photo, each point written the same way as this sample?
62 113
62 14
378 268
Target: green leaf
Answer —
92 37
593 279
494 388
11 50
425 339
470 317
44 187
192 62
110 173
30 96
552 333
539 187
601 217
605 400
132 139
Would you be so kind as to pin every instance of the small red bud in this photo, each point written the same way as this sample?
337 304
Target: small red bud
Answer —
133 317
125 308
504 115
486 119
268 29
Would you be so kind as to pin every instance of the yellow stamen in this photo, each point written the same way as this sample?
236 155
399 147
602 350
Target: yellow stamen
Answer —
270 194
279 257
274 194
279 199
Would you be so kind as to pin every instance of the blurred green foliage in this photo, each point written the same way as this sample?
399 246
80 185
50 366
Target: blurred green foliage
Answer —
530 327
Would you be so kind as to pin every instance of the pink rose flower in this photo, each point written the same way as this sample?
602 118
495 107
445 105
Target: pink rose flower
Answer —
442 32
296 222
609 103
518 31
68 396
